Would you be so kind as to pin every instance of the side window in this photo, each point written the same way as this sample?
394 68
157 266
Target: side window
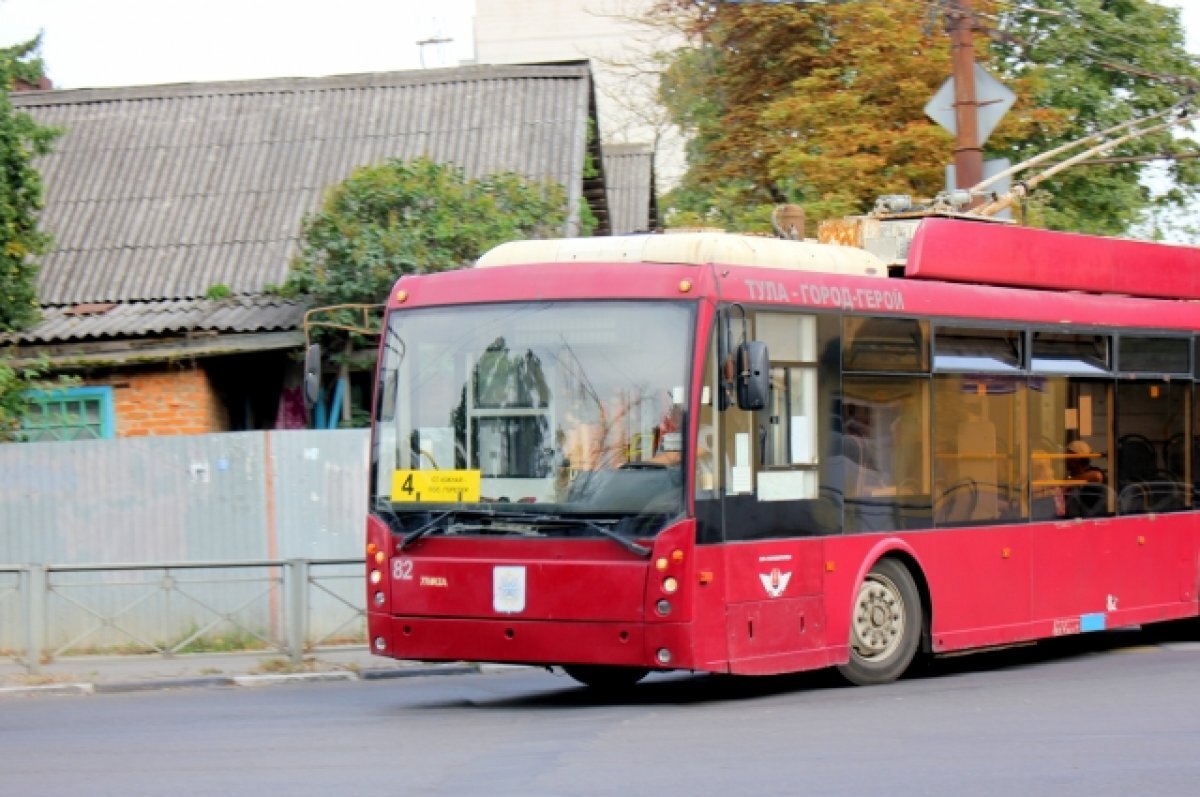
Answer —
1152 424
787 430
1151 457
1070 442
885 423
706 480
885 444
778 472
1151 462
980 466
709 453
1070 425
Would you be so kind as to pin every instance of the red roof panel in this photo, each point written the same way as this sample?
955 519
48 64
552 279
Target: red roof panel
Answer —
985 253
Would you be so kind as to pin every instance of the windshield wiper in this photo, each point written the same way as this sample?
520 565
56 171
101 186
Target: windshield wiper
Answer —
620 539
436 520
531 518
413 536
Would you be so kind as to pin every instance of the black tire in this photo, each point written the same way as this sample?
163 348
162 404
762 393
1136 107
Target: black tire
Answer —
885 628
604 678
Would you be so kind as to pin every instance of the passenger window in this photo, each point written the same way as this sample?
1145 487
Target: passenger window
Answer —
1066 353
1070 444
885 445
977 350
1152 460
1138 355
888 345
980 464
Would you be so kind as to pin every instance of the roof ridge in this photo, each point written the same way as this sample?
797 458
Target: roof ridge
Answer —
289 85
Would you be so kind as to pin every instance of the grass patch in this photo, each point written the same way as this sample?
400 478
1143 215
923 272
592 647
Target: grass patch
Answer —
281 665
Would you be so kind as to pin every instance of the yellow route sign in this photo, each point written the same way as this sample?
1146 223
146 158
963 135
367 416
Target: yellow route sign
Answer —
435 486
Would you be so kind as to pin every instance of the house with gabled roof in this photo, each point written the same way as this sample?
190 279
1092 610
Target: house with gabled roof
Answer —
174 208
630 183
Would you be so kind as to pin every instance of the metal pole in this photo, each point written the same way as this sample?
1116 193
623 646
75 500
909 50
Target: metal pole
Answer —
297 621
34 577
968 154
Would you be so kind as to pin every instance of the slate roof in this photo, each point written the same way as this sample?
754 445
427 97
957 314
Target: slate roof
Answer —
156 193
629 180
168 317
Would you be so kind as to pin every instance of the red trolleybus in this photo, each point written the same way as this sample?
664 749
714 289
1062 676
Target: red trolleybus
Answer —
730 454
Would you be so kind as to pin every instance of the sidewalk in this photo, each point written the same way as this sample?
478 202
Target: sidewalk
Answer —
98 674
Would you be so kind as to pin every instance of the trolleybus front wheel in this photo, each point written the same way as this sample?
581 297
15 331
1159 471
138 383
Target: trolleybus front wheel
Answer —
885 627
605 679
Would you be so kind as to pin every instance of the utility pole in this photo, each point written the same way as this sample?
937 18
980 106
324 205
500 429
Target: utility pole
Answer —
968 153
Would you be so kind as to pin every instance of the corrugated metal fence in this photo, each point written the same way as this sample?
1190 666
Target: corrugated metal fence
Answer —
249 497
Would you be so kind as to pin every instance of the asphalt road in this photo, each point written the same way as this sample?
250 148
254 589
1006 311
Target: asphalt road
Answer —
1111 715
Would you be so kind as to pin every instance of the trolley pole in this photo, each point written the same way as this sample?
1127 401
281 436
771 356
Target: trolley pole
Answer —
968 153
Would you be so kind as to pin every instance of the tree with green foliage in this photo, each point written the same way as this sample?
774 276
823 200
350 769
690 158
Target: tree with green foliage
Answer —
1099 62
22 140
14 382
409 217
823 105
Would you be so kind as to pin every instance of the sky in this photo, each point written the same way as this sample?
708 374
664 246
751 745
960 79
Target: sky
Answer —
89 43
141 42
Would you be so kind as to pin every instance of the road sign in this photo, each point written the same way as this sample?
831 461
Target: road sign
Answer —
993 98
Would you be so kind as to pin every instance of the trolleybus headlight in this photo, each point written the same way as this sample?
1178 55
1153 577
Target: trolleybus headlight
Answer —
670 584
379 557
380 643
660 564
376 576
663 656
663 607
378 598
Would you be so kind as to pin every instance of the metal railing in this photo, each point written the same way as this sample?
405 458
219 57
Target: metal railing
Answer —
169 608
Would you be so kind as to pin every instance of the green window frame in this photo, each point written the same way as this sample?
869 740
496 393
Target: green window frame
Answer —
75 413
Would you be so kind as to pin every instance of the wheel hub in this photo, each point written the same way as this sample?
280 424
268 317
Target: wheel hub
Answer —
879 618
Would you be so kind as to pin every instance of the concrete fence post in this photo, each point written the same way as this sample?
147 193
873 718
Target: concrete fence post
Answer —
296 581
33 580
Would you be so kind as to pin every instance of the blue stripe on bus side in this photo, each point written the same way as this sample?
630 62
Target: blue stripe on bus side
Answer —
1092 622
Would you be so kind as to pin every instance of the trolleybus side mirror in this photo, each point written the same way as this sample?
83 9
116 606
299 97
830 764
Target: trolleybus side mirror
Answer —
312 376
753 375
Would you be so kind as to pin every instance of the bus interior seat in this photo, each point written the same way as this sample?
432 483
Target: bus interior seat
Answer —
958 502
1137 460
1089 500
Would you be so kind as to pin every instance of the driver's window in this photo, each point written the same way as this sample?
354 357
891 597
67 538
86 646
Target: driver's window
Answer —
786 429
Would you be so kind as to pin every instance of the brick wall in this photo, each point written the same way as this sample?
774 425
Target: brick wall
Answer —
173 400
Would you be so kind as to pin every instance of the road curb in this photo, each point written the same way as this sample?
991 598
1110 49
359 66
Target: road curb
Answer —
292 677
245 681
413 672
49 689
163 683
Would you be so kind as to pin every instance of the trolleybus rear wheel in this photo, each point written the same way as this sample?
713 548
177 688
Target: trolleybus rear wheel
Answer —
885 627
604 678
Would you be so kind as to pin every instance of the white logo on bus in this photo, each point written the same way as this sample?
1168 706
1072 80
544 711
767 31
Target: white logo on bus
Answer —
508 589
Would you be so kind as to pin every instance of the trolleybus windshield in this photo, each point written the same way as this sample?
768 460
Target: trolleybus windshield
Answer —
537 419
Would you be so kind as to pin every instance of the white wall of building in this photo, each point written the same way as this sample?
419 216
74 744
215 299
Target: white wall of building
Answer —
623 54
